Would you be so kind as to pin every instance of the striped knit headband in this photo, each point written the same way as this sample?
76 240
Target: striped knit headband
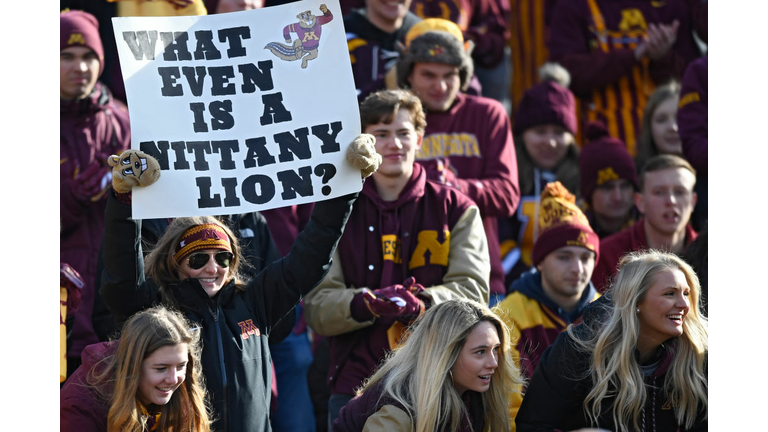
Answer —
199 237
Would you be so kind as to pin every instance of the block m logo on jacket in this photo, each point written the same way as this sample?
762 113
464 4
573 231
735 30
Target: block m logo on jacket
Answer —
427 243
248 329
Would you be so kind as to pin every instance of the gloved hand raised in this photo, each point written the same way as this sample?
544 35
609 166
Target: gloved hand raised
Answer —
133 168
362 154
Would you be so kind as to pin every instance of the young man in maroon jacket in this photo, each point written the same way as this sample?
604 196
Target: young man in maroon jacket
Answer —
409 243
666 200
468 140
93 126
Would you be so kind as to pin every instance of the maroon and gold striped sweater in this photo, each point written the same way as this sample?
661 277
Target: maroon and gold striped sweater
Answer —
596 39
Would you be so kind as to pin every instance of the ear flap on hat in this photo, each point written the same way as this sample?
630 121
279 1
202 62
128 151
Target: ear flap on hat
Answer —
469 46
400 48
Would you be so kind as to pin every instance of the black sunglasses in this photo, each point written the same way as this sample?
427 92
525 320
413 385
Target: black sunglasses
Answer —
199 260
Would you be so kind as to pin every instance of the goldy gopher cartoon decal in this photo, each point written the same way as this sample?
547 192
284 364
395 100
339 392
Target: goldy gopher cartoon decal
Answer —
308 31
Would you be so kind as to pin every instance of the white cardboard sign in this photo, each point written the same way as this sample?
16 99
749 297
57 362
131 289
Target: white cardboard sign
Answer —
245 111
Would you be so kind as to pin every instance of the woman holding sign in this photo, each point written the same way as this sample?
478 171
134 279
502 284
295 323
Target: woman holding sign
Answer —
195 267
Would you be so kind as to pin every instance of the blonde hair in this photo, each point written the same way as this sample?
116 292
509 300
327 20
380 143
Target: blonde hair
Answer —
614 367
144 333
162 268
416 374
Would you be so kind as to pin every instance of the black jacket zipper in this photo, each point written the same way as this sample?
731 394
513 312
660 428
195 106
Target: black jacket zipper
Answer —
222 367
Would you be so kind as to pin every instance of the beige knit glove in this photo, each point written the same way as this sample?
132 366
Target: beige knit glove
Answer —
362 154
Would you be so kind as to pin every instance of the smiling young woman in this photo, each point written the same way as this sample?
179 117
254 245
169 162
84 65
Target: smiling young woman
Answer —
659 127
149 379
637 362
202 249
454 372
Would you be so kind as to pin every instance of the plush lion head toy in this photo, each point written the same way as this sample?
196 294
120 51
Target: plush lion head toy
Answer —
133 168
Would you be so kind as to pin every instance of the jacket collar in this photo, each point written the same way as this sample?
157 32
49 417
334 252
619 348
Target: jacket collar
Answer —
450 112
190 293
412 190
96 101
529 285
640 241
664 356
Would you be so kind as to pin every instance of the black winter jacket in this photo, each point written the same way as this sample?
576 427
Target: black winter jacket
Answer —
236 324
555 395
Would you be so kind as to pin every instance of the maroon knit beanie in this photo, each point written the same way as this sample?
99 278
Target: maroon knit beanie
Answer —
78 28
562 224
602 159
546 103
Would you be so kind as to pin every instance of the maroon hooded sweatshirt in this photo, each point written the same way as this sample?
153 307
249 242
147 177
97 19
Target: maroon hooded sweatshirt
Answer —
84 408
423 205
473 138
91 130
